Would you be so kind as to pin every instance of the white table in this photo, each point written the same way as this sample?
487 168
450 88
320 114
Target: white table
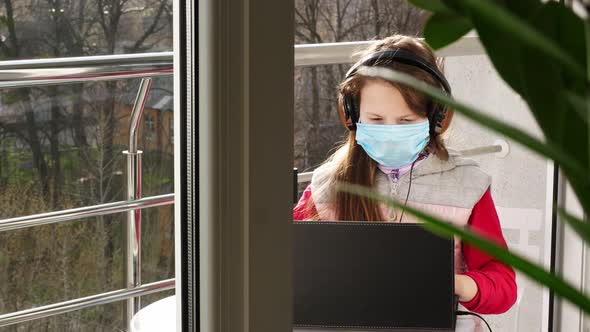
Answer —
160 316
464 324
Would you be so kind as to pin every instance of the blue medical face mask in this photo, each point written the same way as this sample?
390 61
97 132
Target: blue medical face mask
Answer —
393 145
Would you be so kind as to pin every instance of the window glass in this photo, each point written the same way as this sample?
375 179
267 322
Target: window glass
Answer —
61 148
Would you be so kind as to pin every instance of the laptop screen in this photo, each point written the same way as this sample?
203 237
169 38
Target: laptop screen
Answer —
372 275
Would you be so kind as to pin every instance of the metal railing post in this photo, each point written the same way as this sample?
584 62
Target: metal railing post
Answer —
133 226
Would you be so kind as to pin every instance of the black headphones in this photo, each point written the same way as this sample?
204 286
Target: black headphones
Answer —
348 106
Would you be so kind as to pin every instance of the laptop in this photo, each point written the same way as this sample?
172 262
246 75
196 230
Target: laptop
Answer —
367 276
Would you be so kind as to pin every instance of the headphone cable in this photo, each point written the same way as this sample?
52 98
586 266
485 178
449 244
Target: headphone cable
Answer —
409 188
465 313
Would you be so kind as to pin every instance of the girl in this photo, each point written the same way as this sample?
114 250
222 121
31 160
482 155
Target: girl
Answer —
395 146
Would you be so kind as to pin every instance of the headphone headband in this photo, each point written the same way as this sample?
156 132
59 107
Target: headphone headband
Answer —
348 107
380 59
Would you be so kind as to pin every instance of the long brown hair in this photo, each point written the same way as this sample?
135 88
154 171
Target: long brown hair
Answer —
354 165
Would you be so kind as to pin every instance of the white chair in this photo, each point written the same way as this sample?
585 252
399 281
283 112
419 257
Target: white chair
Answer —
159 316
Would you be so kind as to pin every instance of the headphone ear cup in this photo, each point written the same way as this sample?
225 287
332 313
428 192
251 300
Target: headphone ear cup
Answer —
353 109
341 111
441 119
346 113
447 120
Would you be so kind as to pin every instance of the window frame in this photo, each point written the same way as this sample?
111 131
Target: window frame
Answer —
233 170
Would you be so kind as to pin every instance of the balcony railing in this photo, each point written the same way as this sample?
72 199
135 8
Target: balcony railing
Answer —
27 73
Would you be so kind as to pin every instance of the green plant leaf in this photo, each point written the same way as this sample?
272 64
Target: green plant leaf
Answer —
524 68
553 115
578 225
444 28
486 14
537 76
577 103
556 116
522 8
560 24
430 5
440 227
546 149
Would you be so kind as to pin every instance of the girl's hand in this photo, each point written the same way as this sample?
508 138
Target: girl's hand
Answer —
465 287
